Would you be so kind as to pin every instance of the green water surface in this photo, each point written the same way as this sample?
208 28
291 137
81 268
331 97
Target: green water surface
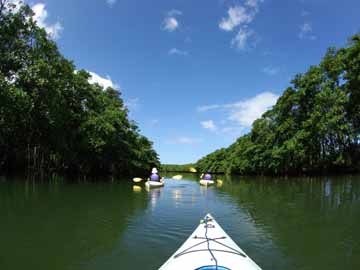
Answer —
302 223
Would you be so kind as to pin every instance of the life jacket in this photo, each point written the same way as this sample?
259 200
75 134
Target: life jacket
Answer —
207 176
155 177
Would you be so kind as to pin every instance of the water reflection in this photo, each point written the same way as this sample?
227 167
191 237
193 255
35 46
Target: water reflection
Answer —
137 188
282 223
177 195
312 221
56 225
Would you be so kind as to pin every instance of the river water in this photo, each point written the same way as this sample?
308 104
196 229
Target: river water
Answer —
295 223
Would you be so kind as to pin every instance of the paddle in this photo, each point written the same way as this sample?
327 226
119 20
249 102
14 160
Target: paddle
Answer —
192 169
177 177
137 179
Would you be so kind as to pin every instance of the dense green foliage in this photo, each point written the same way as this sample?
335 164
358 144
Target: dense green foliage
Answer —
177 168
51 117
313 128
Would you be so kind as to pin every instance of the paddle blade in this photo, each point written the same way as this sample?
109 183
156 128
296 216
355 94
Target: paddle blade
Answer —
177 177
137 179
193 170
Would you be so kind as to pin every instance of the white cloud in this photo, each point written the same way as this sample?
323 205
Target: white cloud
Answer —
236 15
174 12
232 132
104 82
40 16
133 104
240 41
304 13
209 125
305 28
208 107
171 22
175 51
245 112
187 40
154 122
270 70
184 140
239 18
111 2
253 3
267 53
306 31
15 5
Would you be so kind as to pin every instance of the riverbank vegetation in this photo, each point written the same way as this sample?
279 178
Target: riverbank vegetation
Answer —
51 117
313 128
185 168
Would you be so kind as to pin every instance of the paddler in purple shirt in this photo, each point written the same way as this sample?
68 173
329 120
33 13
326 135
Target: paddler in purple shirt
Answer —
206 176
154 175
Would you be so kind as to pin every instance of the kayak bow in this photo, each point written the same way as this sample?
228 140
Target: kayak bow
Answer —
209 248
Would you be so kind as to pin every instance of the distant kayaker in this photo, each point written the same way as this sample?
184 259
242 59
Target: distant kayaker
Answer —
155 175
206 176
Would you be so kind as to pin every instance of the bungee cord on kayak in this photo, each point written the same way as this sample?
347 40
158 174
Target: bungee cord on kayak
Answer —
208 240
209 237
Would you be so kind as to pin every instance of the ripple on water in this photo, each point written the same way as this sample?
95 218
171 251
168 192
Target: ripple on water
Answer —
293 225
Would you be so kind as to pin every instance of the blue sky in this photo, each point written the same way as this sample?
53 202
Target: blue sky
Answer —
195 74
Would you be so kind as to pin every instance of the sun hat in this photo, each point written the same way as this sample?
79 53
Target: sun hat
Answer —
154 170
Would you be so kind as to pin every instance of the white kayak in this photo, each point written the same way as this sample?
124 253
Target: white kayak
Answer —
206 182
153 184
209 248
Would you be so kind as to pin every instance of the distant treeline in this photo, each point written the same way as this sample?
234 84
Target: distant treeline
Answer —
51 117
177 168
313 128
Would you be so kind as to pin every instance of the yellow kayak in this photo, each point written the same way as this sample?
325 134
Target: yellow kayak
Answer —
154 184
206 182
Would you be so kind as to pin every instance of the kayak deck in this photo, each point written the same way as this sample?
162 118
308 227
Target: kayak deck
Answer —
154 184
206 182
209 248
